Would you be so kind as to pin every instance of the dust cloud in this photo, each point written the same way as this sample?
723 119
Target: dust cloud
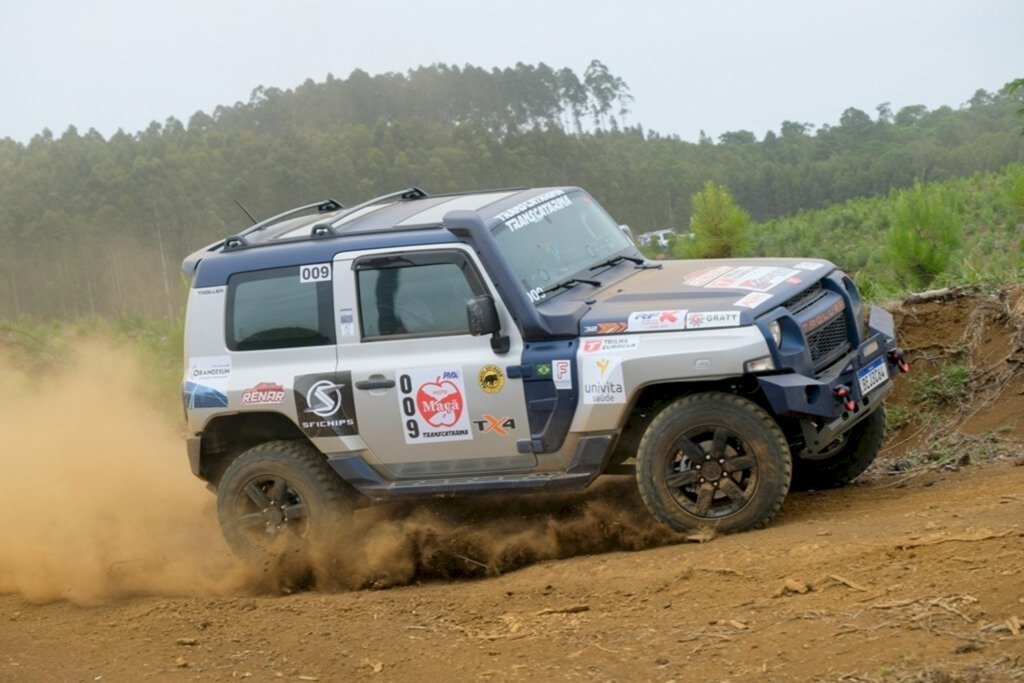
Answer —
95 482
101 504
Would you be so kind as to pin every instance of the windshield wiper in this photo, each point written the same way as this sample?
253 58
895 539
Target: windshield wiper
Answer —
618 259
571 282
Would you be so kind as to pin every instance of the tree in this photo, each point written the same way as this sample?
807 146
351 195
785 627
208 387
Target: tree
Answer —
718 225
924 236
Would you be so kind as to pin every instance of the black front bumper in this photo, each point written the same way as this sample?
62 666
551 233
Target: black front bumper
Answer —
833 402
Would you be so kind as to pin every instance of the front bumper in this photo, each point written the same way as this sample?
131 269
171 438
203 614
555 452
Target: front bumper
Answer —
833 402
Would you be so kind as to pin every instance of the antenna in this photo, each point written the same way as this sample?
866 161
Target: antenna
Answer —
254 221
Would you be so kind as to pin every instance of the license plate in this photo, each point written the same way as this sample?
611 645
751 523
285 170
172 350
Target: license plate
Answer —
872 375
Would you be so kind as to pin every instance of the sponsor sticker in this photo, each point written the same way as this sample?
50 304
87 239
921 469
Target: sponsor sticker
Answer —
204 291
706 275
500 426
346 323
656 321
754 278
491 379
562 374
753 300
609 344
206 382
612 328
324 404
534 210
706 320
432 402
316 272
590 329
263 394
602 380
808 265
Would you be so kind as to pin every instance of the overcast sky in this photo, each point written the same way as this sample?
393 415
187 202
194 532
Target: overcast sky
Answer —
716 65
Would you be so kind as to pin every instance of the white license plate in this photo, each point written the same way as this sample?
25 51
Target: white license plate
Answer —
872 375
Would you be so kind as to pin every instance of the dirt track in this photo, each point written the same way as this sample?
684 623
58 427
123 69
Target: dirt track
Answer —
925 578
915 573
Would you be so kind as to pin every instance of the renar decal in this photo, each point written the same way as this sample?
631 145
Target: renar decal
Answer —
263 394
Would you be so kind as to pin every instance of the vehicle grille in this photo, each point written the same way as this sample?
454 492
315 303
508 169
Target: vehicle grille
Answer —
806 298
828 341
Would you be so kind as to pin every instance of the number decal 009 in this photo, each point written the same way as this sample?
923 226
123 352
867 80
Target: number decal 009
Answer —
317 272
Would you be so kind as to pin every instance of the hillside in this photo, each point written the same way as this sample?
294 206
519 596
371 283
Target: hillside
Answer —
94 226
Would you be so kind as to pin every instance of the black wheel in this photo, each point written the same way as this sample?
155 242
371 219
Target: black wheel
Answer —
713 460
849 456
281 500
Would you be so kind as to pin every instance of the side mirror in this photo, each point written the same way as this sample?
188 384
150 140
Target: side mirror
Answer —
482 315
627 232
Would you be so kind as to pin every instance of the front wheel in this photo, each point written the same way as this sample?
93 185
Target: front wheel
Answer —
280 500
713 460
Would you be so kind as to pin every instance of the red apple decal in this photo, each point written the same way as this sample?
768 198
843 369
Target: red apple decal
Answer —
440 403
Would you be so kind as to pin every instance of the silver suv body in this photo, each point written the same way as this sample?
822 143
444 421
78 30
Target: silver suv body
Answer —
504 340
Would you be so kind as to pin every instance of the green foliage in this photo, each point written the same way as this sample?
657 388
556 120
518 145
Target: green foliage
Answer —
1015 192
896 417
717 224
97 227
924 234
948 385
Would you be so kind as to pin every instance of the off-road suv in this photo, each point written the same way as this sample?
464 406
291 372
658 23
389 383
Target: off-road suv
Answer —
515 340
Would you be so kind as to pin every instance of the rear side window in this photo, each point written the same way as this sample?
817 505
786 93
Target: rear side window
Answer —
274 309
420 294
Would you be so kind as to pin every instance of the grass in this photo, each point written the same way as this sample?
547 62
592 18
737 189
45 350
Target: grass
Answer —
947 385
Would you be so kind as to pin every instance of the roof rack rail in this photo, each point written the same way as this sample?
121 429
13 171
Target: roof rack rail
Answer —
407 194
322 206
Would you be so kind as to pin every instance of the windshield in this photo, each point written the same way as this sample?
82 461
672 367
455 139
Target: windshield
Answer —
556 236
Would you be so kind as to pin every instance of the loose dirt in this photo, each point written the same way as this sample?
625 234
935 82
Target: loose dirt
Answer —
111 565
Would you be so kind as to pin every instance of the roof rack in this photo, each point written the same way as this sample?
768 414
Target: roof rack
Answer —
407 194
239 241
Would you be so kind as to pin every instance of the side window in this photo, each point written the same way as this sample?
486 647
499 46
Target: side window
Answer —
274 309
420 294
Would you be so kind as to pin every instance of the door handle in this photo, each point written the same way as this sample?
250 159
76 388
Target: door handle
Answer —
375 382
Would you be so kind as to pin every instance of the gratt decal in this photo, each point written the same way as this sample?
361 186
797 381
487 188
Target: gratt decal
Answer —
706 320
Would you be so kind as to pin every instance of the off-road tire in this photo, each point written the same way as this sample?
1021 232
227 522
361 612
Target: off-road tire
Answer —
862 444
752 439
309 479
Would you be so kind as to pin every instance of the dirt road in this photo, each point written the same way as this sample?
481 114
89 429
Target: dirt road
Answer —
922 578
111 566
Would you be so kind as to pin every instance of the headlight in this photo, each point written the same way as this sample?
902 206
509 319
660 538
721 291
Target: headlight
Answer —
775 329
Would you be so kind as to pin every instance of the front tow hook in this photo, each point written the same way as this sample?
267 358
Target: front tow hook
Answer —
844 396
897 359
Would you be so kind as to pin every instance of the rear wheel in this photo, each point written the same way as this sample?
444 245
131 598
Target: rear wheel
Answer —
280 500
713 460
852 453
